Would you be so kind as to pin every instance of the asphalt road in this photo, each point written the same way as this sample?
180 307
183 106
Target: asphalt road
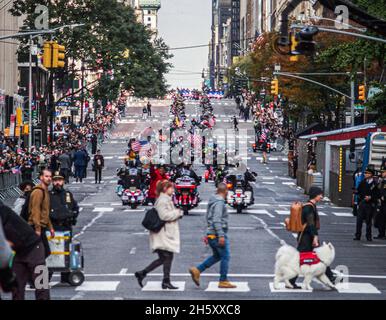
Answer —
116 245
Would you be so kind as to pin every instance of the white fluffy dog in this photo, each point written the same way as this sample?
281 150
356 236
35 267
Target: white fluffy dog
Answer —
287 266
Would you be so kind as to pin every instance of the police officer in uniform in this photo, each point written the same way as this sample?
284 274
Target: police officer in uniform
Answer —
64 208
368 195
381 217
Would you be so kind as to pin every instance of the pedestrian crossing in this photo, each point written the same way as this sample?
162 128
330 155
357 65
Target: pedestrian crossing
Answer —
247 287
268 210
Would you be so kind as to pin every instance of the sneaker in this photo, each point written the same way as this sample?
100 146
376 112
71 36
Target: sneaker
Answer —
226 285
195 273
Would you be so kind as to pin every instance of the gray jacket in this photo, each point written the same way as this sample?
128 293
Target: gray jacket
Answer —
5 249
65 161
217 216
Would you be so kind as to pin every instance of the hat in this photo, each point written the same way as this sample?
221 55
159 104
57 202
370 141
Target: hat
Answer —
314 192
383 168
57 176
370 170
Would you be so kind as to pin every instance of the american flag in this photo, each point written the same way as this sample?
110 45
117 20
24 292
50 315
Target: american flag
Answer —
136 146
259 42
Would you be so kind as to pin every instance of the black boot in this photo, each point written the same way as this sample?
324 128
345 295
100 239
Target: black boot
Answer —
140 275
167 285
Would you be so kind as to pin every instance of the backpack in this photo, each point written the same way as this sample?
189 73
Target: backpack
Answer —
152 221
25 209
294 222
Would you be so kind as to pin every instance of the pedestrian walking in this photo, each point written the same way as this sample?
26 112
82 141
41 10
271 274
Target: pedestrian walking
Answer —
217 238
368 195
380 221
26 170
241 114
98 165
65 165
167 241
80 163
26 188
29 254
247 110
144 113
148 108
94 143
54 163
264 149
39 209
308 239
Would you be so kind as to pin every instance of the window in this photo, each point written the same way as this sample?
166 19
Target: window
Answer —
149 19
148 12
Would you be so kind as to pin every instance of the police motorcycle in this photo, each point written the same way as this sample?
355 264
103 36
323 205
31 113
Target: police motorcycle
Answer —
186 194
240 193
130 187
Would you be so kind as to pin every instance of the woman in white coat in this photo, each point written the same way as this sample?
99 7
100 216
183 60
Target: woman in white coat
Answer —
167 241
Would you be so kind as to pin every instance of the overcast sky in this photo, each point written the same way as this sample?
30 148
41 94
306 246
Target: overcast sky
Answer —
185 23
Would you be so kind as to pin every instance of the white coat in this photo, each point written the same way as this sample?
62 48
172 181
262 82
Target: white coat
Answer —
168 238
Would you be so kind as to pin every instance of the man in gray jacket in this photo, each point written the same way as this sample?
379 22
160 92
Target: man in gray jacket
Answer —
65 165
217 219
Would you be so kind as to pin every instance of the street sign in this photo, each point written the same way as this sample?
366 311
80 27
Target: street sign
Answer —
62 104
359 107
357 113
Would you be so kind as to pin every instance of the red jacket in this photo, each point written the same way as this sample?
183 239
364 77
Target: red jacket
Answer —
155 176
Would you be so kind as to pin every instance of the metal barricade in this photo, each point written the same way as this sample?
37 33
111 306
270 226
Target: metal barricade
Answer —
9 185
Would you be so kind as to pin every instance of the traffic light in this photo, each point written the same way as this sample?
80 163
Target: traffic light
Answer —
362 92
275 87
58 55
305 41
47 54
294 44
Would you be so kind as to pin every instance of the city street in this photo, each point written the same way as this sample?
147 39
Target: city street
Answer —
116 245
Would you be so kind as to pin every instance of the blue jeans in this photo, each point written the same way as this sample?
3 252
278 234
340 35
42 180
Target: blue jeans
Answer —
219 254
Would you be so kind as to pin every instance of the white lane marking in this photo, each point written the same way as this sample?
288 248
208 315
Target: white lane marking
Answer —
374 245
240 287
197 210
98 286
268 178
268 182
157 286
295 235
273 158
261 205
261 211
100 214
242 228
265 226
283 289
133 250
321 213
289 183
350 287
215 275
78 296
123 271
283 212
103 209
81 209
134 210
343 214
115 204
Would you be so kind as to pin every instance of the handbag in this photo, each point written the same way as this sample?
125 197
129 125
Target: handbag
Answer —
152 221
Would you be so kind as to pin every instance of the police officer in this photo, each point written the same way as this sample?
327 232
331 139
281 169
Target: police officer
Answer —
64 208
368 195
381 217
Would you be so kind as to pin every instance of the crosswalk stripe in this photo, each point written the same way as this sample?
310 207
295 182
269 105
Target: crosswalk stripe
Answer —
240 287
98 286
343 214
157 286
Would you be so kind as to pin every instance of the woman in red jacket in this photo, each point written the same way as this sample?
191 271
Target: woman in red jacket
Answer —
155 176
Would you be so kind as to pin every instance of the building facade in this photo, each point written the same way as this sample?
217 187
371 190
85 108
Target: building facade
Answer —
9 73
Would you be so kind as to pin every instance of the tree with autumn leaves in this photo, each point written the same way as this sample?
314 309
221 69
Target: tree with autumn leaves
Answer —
111 41
334 53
